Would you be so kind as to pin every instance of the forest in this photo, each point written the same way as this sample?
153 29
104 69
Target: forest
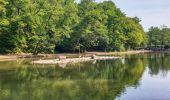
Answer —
51 26
159 37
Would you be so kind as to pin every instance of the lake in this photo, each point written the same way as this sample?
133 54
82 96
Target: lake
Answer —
133 77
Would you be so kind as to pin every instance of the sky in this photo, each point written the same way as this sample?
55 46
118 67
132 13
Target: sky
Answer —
151 12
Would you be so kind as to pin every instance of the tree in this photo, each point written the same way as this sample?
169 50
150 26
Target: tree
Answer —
48 26
159 37
67 26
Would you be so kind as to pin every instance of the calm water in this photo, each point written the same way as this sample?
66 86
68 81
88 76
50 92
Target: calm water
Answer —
135 77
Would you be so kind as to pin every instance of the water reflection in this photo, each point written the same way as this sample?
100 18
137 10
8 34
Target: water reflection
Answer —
100 80
159 63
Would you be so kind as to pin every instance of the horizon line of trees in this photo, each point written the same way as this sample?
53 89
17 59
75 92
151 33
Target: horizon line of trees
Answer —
50 26
159 38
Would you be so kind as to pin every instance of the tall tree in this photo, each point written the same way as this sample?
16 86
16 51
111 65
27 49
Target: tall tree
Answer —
46 26
159 37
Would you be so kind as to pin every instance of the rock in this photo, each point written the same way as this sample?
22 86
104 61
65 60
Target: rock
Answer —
62 57
80 56
93 56
63 61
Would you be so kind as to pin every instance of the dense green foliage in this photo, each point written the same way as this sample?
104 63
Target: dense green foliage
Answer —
46 26
159 37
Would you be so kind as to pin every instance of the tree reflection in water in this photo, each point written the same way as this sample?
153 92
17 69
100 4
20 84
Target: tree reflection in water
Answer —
102 80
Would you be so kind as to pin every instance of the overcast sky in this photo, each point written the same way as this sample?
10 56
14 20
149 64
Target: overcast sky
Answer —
151 12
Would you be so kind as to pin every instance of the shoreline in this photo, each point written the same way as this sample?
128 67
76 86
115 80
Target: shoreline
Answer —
66 61
9 57
90 56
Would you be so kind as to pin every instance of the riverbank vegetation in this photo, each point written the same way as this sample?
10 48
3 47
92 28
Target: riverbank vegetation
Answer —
47 26
159 38
50 26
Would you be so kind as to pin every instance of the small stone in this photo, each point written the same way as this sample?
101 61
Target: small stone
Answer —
62 57
93 56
